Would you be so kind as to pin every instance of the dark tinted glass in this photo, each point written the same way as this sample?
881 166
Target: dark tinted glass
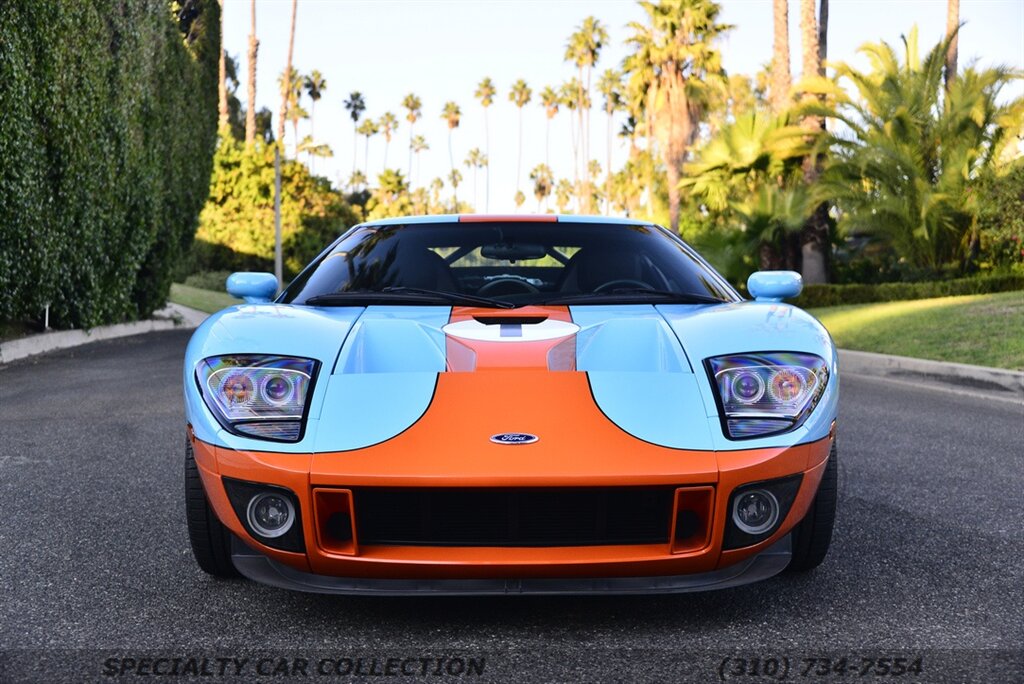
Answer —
521 263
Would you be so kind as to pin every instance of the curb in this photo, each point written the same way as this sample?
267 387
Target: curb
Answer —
169 318
982 378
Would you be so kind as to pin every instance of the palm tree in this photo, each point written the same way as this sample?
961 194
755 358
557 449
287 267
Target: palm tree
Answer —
418 144
814 239
452 115
519 198
610 87
293 110
355 106
250 112
413 107
543 183
583 49
569 98
287 85
520 95
222 77
387 125
780 79
356 181
563 194
369 129
952 31
677 68
475 160
749 170
436 186
550 101
315 87
902 169
455 177
485 92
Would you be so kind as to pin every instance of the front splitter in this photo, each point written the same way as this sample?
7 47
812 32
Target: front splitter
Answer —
260 568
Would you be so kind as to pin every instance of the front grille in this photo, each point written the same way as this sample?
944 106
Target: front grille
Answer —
544 516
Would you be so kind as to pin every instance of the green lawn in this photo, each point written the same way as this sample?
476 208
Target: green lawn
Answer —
985 330
209 301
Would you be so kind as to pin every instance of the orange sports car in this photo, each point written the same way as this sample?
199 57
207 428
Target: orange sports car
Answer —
492 405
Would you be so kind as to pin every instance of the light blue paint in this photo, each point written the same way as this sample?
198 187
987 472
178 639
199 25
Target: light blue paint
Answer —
396 339
278 329
254 288
774 286
626 338
662 408
368 408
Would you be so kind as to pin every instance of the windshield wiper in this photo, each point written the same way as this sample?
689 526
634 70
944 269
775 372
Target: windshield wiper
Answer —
636 295
392 295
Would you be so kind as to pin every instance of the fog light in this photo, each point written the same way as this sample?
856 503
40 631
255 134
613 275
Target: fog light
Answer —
755 511
270 514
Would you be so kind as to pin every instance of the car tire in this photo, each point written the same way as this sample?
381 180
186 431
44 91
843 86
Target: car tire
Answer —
813 534
211 541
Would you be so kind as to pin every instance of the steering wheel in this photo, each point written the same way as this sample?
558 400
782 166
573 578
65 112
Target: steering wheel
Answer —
501 285
623 282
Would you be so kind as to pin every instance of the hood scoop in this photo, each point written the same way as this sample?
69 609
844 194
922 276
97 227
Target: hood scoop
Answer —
510 320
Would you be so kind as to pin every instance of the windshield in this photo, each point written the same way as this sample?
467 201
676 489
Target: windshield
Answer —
514 263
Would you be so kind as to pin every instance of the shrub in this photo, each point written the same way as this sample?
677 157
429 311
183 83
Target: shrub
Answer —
109 120
836 295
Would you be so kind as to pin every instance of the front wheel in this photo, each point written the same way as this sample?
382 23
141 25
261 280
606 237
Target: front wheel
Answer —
813 535
211 541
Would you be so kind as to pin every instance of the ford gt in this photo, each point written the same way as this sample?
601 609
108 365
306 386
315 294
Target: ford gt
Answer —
510 404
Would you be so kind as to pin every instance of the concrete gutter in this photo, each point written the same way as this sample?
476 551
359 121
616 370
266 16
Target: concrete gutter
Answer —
995 381
170 317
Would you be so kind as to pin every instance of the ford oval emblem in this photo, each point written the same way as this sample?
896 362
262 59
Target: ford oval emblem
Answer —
514 438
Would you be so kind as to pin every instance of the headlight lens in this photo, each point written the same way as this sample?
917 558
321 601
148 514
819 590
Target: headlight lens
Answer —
259 396
766 393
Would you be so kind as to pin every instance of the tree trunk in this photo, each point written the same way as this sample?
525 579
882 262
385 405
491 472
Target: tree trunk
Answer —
286 82
608 160
952 25
222 83
814 236
487 151
254 46
781 80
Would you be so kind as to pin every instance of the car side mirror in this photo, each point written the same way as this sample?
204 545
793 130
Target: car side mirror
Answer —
254 288
774 286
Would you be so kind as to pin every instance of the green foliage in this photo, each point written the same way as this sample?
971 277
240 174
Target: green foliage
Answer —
236 227
904 171
836 295
1001 219
108 125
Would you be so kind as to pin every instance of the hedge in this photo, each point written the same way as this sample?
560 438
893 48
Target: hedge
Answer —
109 115
836 295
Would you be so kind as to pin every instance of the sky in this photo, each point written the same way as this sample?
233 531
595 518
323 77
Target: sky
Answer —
441 49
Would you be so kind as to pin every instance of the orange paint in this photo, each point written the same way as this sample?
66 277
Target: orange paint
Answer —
508 218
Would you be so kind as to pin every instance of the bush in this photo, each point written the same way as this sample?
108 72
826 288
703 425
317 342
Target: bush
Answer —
109 120
836 295
236 227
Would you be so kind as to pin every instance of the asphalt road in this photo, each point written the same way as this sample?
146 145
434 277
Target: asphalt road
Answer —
927 558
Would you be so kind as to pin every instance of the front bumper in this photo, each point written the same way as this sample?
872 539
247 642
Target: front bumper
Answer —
626 568
265 570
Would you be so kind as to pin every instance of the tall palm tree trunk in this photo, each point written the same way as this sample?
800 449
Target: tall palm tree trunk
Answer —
519 158
487 171
608 161
451 163
409 172
355 145
952 25
814 236
781 80
222 83
254 46
286 84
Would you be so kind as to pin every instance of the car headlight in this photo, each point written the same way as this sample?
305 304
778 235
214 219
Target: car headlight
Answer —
766 393
258 395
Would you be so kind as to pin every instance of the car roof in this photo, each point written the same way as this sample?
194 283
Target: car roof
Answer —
504 218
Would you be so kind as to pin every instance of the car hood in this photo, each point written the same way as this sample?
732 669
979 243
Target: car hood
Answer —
386 369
